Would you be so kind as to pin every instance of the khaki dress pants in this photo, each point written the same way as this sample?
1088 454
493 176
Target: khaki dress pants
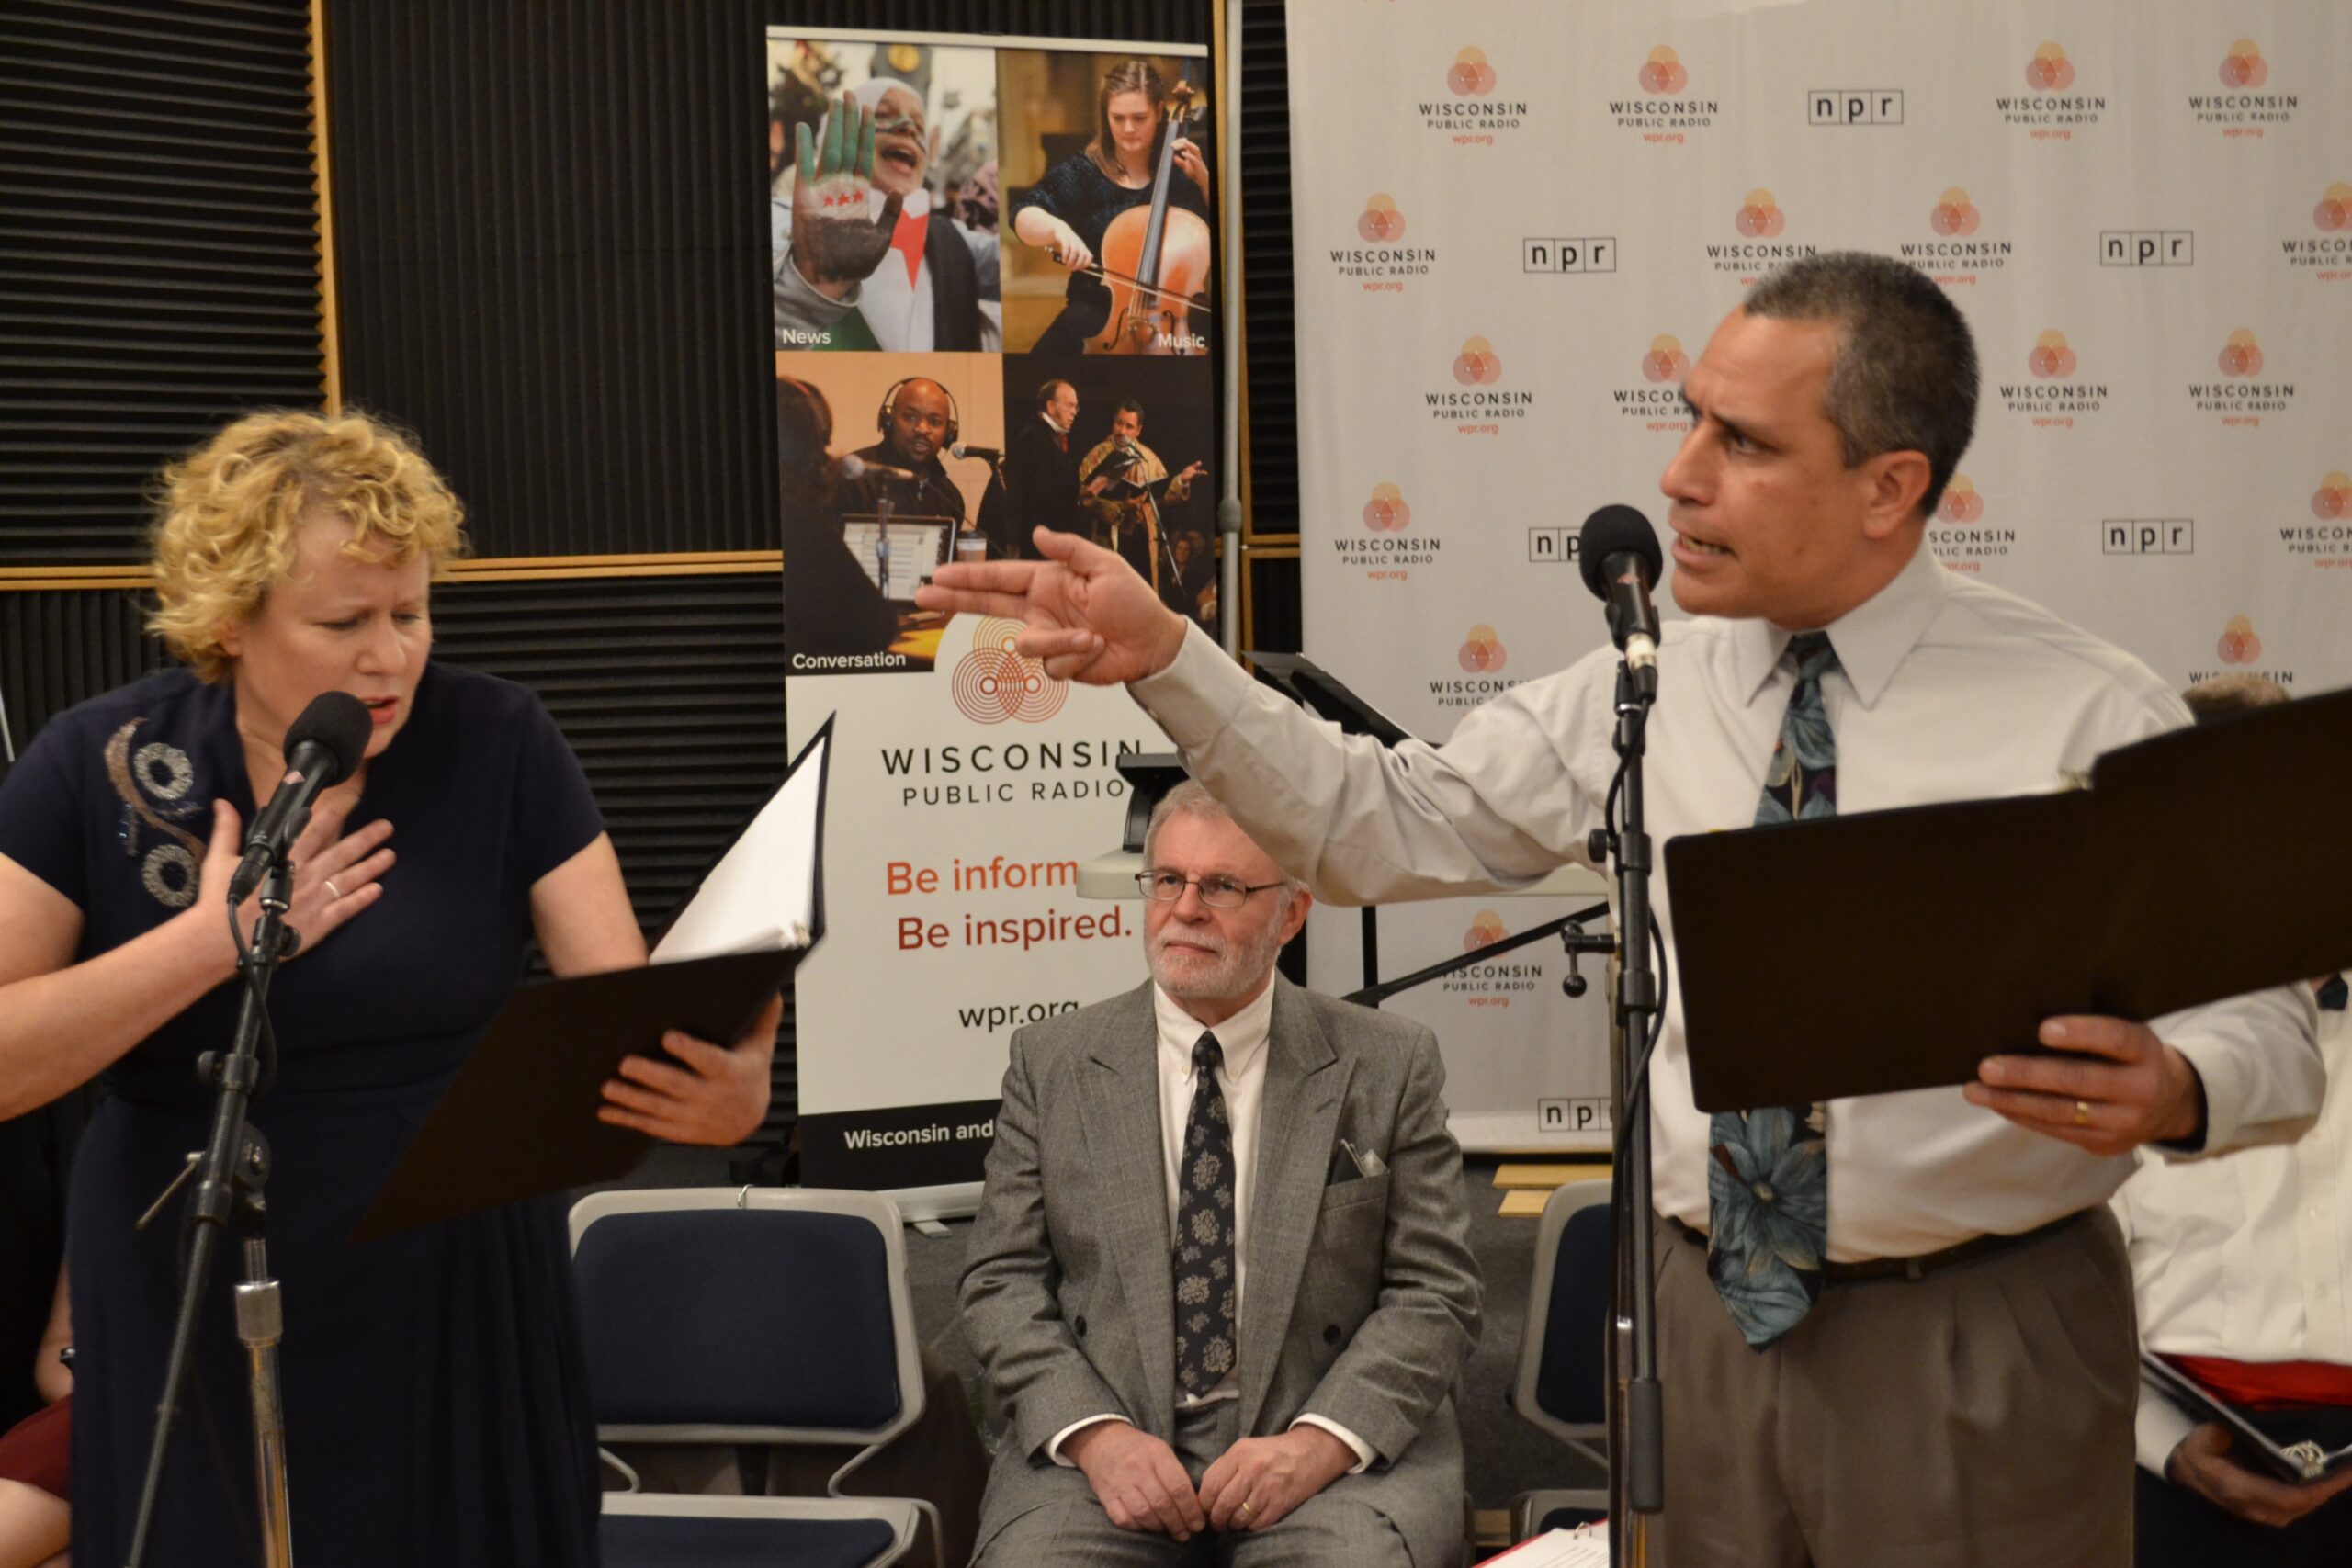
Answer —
1979 1416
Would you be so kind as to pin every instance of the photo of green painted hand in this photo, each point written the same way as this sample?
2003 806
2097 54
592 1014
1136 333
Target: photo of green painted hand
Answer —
836 239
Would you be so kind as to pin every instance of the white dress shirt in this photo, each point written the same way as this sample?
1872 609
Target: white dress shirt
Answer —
1241 1040
2246 1257
1946 689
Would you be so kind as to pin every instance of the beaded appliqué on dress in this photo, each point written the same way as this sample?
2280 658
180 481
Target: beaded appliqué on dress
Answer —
161 775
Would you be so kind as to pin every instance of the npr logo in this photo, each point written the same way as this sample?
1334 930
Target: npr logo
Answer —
2147 247
1583 1114
1854 106
1568 255
2148 536
1552 546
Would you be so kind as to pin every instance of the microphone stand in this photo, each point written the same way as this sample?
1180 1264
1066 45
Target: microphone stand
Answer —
229 1173
1639 1475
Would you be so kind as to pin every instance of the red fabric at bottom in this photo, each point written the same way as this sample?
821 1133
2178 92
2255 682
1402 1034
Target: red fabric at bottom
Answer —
36 1448
2269 1385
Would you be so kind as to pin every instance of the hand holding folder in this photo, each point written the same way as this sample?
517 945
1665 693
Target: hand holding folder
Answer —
2299 1463
522 1118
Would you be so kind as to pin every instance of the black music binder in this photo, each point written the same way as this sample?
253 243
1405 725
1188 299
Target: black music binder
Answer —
519 1121
1895 950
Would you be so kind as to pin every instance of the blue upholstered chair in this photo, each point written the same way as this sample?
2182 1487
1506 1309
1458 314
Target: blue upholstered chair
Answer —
751 1315
1562 1384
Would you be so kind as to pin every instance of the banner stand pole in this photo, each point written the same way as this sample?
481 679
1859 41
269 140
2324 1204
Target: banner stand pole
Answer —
1229 506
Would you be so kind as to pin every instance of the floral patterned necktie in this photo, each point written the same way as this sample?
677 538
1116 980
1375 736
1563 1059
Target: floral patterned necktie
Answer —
1767 1170
1204 1260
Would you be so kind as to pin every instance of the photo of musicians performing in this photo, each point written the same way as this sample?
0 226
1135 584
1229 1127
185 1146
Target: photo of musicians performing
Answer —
1116 450
1110 205
883 196
889 466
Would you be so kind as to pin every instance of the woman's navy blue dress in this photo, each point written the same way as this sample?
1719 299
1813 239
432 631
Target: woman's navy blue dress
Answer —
436 1402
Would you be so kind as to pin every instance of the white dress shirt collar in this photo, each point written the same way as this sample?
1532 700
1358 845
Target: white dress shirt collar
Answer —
1241 1037
1871 639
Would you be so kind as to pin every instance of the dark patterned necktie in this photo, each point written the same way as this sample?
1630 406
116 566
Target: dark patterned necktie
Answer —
1767 1170
1203 1257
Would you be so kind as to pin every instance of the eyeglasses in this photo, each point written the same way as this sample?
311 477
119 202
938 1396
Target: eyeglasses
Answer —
1216 892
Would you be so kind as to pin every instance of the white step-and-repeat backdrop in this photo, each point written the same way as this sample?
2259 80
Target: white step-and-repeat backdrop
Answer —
1517 223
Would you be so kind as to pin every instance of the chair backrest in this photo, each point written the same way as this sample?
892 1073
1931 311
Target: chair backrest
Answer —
746 1315
1562 1384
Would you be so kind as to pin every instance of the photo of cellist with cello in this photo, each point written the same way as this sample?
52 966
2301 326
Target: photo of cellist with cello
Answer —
1128 218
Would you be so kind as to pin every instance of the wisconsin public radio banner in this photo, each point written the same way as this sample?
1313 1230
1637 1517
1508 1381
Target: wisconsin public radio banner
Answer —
961 352
1524 219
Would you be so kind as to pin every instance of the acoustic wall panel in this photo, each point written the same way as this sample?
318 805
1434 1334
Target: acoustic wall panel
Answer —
158 271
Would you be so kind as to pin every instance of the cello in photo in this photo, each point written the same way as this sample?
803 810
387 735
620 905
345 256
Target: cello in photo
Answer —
1156 260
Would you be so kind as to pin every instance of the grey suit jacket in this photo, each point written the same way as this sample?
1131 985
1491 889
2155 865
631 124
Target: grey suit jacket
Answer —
1361 1297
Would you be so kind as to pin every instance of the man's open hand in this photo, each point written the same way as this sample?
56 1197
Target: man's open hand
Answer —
835 242
1091 617
1258 1480
2202 1463
2115 1086
1138 1479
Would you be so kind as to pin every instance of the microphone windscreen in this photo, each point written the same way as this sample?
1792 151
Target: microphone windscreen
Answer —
338 722
853 467
1611 531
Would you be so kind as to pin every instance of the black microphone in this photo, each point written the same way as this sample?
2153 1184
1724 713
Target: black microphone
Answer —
322 748
985 453
1617 551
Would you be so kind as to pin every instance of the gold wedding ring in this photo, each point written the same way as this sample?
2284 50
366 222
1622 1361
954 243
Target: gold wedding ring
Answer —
338 893
1245 1511
2082 1113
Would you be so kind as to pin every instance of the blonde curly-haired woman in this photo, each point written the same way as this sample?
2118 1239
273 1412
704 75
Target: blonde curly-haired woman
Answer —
435 1411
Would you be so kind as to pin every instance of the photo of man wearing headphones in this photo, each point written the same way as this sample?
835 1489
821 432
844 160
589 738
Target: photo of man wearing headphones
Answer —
918 420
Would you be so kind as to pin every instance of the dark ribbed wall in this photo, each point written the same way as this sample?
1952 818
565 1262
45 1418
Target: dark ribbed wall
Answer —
1271 370
550 235
57 647
158 269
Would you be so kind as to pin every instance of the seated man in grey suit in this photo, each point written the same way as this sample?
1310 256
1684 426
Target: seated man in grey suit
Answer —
1220 1281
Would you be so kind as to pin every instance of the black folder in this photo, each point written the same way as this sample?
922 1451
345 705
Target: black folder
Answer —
1896 950
520 1120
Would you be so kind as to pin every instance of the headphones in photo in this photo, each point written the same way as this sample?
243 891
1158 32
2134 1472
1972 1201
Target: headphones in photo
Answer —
890 402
